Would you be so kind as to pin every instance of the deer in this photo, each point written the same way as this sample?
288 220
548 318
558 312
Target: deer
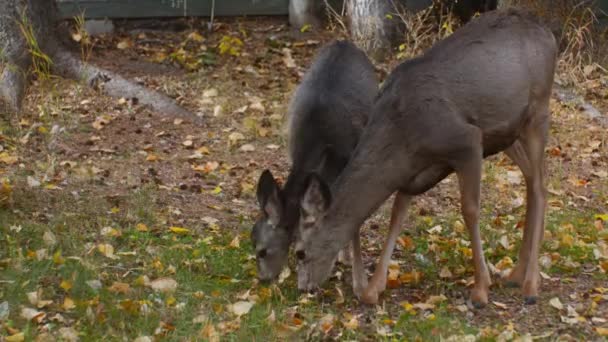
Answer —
326 116
483 90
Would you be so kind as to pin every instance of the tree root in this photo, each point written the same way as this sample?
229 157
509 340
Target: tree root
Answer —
12 89
114 85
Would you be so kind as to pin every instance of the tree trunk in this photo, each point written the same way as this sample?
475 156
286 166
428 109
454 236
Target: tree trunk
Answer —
368 26
18 55
304 12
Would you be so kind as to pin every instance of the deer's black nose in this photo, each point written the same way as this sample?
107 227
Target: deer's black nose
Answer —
262 253
300 254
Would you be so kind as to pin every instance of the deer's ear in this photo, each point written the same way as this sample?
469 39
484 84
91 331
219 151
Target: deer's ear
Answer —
269 197
316 198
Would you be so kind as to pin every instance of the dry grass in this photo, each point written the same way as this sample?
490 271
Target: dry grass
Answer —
422 29
575 24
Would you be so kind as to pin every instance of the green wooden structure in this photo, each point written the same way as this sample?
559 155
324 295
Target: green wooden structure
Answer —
170 8
179 8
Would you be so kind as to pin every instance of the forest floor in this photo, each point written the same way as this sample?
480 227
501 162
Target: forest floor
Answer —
117 223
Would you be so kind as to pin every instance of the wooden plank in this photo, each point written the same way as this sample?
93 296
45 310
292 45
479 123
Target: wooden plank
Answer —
170 8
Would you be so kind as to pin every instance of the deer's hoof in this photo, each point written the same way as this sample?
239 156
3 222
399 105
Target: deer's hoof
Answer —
479 298
530 300
370 296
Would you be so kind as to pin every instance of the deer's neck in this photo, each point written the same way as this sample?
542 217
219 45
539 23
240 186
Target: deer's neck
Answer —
368 180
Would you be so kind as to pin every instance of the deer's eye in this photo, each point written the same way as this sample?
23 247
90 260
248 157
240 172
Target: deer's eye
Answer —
301 255
262 253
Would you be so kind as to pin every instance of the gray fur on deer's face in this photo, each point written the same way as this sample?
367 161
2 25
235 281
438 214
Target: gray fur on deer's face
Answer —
270 241
315 261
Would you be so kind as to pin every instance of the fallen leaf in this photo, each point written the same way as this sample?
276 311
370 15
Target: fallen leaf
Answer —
101 121
210 334
288 59
240 308
202 318
141 227
500 305
195 36
118 287
602 331
68 334
32 182
110 232
326 323
107 250
163 285
424 306
179 230
35 299
18 337
235 137
124 44
49 239
556 303
8 159
212 92
285 273
68 304
272 317
436 299
247 148
445 273
32 315
406 242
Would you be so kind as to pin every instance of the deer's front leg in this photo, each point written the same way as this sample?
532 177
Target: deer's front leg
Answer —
469 178
359 277
378 282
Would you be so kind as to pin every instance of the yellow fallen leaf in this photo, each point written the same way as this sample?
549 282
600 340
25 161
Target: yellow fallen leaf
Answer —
118 287
602 331
235 243
68 304
141 227
350 322
152 157
101 121
8 159
504 263
406 242
66 285
107 250
179 230
170 301
210 334
58 259
18 337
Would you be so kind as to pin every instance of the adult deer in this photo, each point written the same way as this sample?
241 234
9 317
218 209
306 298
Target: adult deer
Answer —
327 114
483 90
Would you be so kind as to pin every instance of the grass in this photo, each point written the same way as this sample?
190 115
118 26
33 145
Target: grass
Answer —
211 275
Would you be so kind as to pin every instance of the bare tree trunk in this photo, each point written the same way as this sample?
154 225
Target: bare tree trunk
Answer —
40 17
368 26
304 12
14 58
